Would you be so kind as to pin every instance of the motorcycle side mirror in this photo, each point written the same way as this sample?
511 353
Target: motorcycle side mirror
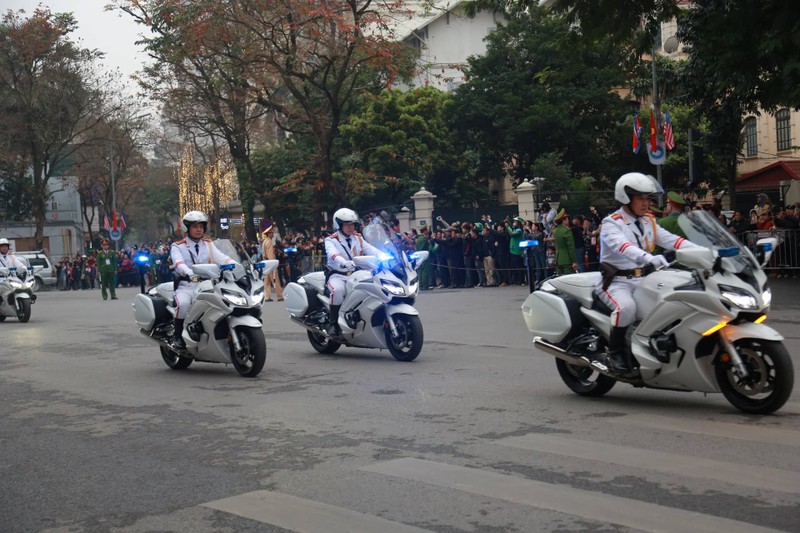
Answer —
700 258
764 249
367 262
417 258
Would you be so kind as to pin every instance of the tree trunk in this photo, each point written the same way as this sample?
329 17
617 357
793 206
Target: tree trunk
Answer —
39 203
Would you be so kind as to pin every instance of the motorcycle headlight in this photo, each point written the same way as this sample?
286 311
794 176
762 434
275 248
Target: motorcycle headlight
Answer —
258 296
392 287
738 297
233 298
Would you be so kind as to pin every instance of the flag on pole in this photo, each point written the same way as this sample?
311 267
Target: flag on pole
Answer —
669 136
122 224
637 133
653 134
106 224
114 221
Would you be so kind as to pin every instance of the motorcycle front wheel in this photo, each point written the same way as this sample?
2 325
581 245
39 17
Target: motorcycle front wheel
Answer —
175 361
250 359
583 380
322 343
770 378
408 342
23 310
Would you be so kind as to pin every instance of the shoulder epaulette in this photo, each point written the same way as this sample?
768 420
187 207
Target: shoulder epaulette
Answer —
182 241
616 216
207 239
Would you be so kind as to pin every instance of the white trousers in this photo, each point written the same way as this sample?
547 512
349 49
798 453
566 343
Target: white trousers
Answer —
337 286
184 298
619 297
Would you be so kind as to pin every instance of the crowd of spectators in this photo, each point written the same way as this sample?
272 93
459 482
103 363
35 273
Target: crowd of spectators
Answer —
463 254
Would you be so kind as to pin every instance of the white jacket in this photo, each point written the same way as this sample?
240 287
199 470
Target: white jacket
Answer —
623 246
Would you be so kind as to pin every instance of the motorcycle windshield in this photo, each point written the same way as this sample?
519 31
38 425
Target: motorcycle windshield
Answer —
232 250
703 228
384 238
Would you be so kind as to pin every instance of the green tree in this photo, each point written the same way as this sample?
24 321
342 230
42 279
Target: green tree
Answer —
540 88
399 142
50 99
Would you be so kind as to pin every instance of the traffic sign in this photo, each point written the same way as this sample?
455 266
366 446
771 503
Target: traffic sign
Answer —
115 234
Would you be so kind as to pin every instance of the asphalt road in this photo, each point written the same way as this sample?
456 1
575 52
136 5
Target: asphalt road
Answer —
478 435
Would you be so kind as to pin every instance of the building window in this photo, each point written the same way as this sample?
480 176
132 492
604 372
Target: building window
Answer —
751 136
783 129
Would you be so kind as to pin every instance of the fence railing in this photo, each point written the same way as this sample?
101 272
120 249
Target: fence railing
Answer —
785 261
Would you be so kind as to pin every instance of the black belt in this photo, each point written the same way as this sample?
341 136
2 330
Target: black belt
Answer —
635 272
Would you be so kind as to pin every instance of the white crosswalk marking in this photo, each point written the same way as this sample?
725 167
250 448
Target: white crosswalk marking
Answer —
591 505
671 463
727 430
305 516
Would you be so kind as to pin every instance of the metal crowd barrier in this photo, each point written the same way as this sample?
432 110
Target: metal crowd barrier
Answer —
785 261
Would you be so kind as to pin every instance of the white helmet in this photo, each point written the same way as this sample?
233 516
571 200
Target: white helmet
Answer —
342 216
4 241
635 183
193 217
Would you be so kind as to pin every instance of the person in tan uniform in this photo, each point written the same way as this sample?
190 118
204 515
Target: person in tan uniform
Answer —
268 252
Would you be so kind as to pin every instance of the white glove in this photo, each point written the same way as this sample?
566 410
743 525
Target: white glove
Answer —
349 265
658 261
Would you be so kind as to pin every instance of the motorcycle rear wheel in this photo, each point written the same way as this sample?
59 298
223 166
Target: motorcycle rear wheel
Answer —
583 380
249 361
23 310
175 361
408 343
322 344
770 380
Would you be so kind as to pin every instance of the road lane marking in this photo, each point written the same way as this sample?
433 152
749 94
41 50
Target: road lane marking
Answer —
304 516
595 506
665 462
709 428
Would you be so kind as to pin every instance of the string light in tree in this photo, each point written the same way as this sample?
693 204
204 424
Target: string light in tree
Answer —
208 188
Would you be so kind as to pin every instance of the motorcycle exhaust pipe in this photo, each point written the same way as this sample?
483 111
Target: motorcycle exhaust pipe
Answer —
309 327
149 335
554 350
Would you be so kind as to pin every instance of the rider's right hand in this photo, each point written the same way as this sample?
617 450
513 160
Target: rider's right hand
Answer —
658 261
349 265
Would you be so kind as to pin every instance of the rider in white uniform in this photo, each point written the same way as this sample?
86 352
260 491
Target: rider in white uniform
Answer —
193 250
341 247
7 259
628 238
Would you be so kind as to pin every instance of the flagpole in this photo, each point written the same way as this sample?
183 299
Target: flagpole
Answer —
113 192
656 114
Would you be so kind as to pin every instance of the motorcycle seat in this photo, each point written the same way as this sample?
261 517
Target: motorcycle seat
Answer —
599 306
316 280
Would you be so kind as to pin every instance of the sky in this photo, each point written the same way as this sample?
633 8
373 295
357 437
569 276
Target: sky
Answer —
108 31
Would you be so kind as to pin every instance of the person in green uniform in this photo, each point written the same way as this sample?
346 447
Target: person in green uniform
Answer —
425 270
107 268
673 209
566 262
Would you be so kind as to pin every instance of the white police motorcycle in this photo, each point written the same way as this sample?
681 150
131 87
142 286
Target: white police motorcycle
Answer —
378 311
224 323
16 291
697 329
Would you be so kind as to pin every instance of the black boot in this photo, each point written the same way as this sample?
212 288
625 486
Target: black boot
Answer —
177 339
333 321
617 360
